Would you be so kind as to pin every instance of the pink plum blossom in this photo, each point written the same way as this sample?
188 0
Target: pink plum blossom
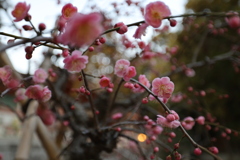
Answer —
143 80
140 31
20 95
40 76
104 82
155 12
123 69
81 29
20 11
188 123
11 83
122 28
162 87
117 116
5 73
75 62
68 10
46 94
38 92
131 73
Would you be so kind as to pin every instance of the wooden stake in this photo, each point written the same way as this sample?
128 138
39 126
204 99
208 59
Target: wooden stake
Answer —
47 141
29 127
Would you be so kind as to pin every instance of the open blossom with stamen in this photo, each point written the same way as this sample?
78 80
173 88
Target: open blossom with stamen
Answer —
68 10
155 12
75 62
20 11
40 76
162 87
81 29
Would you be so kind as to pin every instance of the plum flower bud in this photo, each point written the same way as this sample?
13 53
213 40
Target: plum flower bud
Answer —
214 150
117 116
200 120
41 26
188 123
123 28
165 123
197 151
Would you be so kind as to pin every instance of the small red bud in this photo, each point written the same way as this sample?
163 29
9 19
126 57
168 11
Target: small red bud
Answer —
152 157
90 49
156 149
27 27
176 146
197 151
28 56
65 53
169 140
145 100
28 17
229 131
29 49
173 22
172 135
102 40
72 107
118 129
97 112
41 26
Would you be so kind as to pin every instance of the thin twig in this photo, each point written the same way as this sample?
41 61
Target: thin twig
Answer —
90 100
